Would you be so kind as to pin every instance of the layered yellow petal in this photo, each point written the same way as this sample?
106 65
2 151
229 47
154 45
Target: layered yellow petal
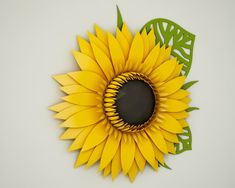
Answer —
81 119
97 135
83 157
123 43
170 124
87 63
183 123
180 94
84 99
158 154
110 149
59 107
179 115
161 57
89 80
172 105
71 133
145 42
133 171
107 170
170 136
64 79
102 35
170 147
85 47
116 164
151 39
176 72
126 32
71 89
139 159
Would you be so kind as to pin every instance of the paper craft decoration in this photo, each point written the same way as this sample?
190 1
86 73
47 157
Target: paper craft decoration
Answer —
127 105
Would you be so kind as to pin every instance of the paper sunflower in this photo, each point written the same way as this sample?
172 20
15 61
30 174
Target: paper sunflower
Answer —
127 104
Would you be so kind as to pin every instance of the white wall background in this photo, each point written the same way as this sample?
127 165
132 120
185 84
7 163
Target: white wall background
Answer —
36 38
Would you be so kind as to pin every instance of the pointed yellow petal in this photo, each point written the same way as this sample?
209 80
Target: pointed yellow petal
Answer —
97 42
170 124
140 160
163 72
171 86
85 47
123 43
79 141
71 133
180 94
116 164
102 35
127 154
65 114
133 171
145 42
97 135
84 118
59 107
75 89
96 154
107 170
170 147
161 56
104 62
146 148
110 149
85 99
170 136
117 55
136 52
64 80
158 154
157 139
183 123
88 64
89 80
83 157
150 60
176 72
186 100
126 32
172 105
151 39
179 115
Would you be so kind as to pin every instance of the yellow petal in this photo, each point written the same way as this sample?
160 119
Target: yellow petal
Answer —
186 100
79 141
123 43
65 114
180 94
150 60
75 89
145 42
170 124
170 147
97 135
170 136
133 171
87 63
59 107
176 72
179 115
158 154
83 157
71 133
97 42
104 62
157 139
89 80
102 35
117 55
171 86
64 80
151 39
85 47
136 52
172 105
110 149
146 149
85 99
161 56
96 154
84 118
183 123
140 160
126 32
127 153
107 170
116 164
161 73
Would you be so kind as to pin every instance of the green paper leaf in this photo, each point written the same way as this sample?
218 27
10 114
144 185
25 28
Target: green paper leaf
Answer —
165 166
189 84
185 141
190 109
119 19
171 34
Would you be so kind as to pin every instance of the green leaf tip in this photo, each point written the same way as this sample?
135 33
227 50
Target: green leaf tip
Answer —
165 166
190 109
119 18
171 34
189 84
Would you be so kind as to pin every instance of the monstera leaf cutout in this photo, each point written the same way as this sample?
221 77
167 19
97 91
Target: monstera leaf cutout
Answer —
171 34
185 141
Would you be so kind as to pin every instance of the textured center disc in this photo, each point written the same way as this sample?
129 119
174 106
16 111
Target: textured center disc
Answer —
135 102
